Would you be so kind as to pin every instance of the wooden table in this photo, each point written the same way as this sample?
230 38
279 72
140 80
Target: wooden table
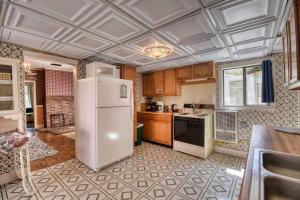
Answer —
266 138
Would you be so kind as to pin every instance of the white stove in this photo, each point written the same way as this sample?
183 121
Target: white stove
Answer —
199 114
193 132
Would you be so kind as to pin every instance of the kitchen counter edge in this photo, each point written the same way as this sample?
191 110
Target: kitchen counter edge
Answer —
267 138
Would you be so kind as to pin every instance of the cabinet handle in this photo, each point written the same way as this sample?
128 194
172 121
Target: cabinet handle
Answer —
159 91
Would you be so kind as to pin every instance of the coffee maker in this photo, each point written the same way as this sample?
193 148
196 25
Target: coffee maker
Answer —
149 104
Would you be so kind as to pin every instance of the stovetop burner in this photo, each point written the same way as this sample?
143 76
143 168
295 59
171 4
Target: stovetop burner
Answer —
184 113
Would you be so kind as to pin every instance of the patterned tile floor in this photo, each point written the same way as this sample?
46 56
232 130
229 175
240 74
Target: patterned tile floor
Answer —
153 172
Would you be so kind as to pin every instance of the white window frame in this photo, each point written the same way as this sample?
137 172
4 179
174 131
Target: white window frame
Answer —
269 107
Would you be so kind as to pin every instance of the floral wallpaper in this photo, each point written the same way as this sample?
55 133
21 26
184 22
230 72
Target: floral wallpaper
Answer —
285 114
10 51
81 68
139 92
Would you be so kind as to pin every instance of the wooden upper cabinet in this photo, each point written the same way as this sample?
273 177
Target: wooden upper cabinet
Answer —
158 79
185 73
168 82
291 49
204 70
148 85
171 84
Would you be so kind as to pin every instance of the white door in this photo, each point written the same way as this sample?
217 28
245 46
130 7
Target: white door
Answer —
113 92
114 134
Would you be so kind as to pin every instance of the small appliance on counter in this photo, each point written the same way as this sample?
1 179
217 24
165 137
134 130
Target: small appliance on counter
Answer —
160 106
149 104
174 108
166 108
154 107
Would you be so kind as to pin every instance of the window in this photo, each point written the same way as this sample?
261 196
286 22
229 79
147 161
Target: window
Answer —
242 87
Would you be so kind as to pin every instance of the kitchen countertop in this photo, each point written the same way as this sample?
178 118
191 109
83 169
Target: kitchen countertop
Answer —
157 113
267 138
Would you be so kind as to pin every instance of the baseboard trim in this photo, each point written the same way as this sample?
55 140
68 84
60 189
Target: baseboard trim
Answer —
8 177
231 152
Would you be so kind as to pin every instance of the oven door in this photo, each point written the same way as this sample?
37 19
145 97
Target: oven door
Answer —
189 130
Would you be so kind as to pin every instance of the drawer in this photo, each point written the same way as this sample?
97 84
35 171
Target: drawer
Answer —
155 116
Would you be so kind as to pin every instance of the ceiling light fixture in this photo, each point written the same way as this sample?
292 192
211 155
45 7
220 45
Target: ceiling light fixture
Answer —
157 50
27 68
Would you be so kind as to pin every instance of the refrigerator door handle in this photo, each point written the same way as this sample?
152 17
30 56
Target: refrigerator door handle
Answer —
131 105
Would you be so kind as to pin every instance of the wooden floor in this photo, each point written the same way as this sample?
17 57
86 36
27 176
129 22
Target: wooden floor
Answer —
65 147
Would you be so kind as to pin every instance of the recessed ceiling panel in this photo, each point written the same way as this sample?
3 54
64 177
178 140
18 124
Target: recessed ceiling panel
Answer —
236 13
250 54
70 51
140 59
87 41
24 20
120 52
215 55
183 61
157 12
250 34
27 40
73 11
193 34
113 25
252 46
207 3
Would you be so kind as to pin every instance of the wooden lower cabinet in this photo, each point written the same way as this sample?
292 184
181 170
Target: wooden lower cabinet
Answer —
162 132
157 128
147 128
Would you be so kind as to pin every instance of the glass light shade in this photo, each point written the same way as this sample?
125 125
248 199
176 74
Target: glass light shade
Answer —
158 51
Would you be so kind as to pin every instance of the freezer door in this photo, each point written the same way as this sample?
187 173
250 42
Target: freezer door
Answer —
114 135
113 92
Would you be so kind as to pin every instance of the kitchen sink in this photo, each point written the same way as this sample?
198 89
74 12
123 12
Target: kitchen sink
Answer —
275 175
283 164
278 188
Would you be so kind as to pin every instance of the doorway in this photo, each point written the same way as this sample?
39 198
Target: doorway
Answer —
30 104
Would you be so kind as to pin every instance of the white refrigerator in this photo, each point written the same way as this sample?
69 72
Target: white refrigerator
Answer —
105 121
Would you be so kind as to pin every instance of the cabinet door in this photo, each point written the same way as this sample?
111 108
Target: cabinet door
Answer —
172 85
158 83
162 132
148 89
147 129
8 87
204 70
184 73
294 37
